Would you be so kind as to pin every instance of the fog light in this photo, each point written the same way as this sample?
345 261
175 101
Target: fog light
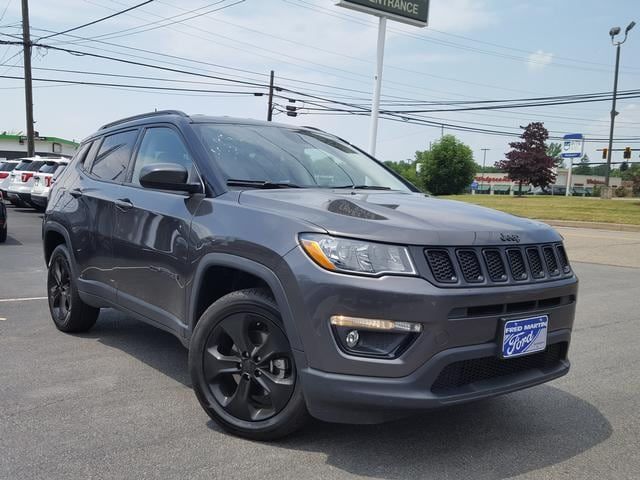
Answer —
367 337
352 338
376 325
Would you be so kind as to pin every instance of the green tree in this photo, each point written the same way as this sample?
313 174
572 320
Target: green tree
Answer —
554 150
405 168
447 168
583 168
528 161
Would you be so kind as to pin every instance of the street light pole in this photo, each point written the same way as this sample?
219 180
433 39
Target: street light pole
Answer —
613 32
484 160
28 89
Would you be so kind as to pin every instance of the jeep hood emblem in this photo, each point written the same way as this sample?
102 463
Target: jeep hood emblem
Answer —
510 237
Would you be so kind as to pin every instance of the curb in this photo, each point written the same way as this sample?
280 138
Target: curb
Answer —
618 227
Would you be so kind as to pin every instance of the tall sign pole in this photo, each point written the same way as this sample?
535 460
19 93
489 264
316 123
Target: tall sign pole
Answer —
28 90
572 147
377 86
412 12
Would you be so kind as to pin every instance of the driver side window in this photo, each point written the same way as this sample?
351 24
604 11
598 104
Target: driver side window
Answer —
162 145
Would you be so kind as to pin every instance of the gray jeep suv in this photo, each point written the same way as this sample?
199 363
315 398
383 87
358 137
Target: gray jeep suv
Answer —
305 278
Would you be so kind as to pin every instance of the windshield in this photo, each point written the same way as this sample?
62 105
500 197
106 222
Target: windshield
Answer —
296 156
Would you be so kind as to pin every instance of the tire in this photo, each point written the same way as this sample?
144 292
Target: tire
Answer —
250 385
69 313
3 233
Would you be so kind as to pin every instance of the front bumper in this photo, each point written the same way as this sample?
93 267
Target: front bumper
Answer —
365 399
458 324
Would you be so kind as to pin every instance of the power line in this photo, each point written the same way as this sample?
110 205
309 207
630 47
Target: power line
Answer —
96 21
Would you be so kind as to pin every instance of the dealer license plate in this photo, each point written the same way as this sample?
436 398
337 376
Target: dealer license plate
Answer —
524 336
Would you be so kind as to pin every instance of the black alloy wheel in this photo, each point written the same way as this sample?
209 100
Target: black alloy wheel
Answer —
248 366
243 369
59 286
68 311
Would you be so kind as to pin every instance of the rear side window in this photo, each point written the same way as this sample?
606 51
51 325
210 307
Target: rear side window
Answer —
7 166
113 157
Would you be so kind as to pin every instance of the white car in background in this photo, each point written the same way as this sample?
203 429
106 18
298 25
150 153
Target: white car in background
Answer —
43 180
22 178
6 167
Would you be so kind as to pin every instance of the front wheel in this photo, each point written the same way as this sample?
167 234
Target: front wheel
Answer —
243 370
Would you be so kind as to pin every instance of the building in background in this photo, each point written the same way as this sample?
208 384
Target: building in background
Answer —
500 184
15 146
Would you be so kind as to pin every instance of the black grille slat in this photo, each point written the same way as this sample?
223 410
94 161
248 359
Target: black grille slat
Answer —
460 374
516 263
495 265
470 266
564 260
441 266
535 263
550 260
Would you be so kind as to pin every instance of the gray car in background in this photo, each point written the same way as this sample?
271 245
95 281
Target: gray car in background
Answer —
305 277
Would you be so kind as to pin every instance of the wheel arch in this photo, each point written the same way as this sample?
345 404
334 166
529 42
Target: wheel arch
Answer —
246 266
54 234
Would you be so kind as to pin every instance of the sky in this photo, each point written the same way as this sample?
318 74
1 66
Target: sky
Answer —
471 50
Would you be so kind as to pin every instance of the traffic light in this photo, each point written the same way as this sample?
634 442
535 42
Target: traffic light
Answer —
604 153
627 153
624 166
292 110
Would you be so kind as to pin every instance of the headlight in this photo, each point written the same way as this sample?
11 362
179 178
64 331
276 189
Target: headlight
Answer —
356 256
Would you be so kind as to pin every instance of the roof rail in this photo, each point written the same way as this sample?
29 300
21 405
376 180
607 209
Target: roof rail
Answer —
144 115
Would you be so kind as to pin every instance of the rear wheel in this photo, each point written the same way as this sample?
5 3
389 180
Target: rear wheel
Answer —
68 311
243 370
3 233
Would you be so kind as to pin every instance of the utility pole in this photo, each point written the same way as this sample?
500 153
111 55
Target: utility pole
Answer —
270 111
28 88
484 160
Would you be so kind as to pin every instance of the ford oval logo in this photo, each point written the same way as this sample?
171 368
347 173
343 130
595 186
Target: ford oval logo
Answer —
510 237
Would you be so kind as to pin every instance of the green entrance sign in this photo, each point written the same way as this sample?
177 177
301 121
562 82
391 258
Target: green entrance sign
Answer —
413 12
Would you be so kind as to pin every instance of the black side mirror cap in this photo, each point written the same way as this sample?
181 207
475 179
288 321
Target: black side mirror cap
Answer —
167 176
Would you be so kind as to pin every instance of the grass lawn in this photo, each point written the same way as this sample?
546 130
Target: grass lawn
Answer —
583 209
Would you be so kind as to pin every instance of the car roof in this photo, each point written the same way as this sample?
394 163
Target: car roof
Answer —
176 116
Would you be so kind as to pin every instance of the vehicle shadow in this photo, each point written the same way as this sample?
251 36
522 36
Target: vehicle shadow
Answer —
489 440
12 241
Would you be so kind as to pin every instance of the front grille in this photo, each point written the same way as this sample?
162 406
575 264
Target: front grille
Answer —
516 263
564 260
466 372
470 266
486 266
495 265
550 260
535 262
441 266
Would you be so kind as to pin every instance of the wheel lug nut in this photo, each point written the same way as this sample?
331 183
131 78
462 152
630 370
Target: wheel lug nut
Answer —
246 376
258 359
240 365
245 354
257 373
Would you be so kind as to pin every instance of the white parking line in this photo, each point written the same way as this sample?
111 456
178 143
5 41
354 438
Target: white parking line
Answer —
25 299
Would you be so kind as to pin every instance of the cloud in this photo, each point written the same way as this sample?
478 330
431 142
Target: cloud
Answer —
539 59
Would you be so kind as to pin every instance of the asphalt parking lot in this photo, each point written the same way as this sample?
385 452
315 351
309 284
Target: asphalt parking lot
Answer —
116 402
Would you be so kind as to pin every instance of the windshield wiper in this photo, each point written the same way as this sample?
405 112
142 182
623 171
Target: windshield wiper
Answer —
364 187
265 184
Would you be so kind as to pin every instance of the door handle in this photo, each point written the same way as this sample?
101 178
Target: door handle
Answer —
124 204
76 192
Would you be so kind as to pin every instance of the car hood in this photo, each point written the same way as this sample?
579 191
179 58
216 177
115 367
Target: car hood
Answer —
399 217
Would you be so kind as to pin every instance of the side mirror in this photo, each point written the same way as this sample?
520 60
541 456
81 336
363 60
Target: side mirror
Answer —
167 176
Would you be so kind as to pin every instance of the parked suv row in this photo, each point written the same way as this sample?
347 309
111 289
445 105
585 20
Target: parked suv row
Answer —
27 181
304 276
